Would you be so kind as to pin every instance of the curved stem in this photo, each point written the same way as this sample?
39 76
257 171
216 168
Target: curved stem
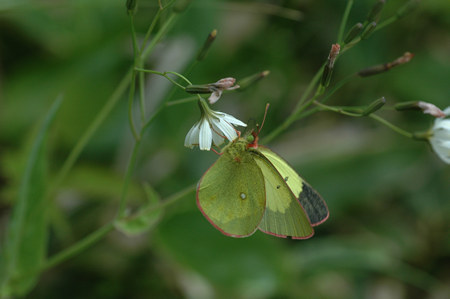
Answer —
78 247
337 109
83 141
392 126
164 74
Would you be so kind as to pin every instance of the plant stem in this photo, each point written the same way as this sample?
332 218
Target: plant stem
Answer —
182 101
158 36
83 141
129 173
78 247
344 21
392 126
130 105
164 74
174 198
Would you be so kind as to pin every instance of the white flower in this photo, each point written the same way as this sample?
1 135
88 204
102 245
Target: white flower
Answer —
219 86
440 140
212 128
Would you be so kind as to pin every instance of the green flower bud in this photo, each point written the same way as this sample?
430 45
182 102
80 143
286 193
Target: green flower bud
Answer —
131 5
375 12
374 106
368 30
353 32
407 8
204 50
252 79
181 5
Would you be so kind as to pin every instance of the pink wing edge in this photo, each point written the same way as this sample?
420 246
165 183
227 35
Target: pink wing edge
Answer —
209 219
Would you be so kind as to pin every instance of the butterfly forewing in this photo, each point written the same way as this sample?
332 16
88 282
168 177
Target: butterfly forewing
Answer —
310 199
231 194
283 215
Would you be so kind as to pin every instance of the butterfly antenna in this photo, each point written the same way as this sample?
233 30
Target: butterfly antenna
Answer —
264 119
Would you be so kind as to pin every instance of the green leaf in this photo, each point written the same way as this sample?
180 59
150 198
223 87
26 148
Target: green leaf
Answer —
145 218
26 238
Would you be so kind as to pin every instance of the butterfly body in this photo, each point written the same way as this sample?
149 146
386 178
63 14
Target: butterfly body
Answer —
249 187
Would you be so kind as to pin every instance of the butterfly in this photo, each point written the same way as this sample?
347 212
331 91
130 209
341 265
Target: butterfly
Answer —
250 187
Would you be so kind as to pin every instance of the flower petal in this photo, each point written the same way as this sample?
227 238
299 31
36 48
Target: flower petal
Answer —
226 128
447 111
442 149
192 136
217 139
232 120
205 136
215 96
443 124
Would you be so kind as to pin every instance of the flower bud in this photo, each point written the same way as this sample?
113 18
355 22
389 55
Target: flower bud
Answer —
198 88
374 70
407 8
252 79
181 5
374 106
328 70
375 12
426 108
353 32
131 5
204 50
368 30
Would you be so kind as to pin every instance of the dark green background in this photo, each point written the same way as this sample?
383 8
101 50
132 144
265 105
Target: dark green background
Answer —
388 232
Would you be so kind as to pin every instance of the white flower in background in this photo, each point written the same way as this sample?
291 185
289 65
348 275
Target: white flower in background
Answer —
212 128
440 139
218 87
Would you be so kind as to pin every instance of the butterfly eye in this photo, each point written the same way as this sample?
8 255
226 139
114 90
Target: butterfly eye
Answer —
250 138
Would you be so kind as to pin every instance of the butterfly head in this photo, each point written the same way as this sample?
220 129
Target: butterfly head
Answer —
253 136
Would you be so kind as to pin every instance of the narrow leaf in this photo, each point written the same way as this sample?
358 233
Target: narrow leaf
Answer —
26 238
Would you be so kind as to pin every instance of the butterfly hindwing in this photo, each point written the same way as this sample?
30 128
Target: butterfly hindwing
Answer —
310 199
283 215
231 193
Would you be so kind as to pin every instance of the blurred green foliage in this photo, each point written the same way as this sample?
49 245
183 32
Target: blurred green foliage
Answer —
388 232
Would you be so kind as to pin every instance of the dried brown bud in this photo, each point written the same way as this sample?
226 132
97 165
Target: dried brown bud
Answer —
374 70
328 70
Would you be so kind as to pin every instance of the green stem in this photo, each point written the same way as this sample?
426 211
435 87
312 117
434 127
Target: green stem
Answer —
78 247
309 88
174 198
392 126
165 27
164 74
182 101
83 141
344 21
130 105
291 118
128 175
150 29
335 88
340 110
142 96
